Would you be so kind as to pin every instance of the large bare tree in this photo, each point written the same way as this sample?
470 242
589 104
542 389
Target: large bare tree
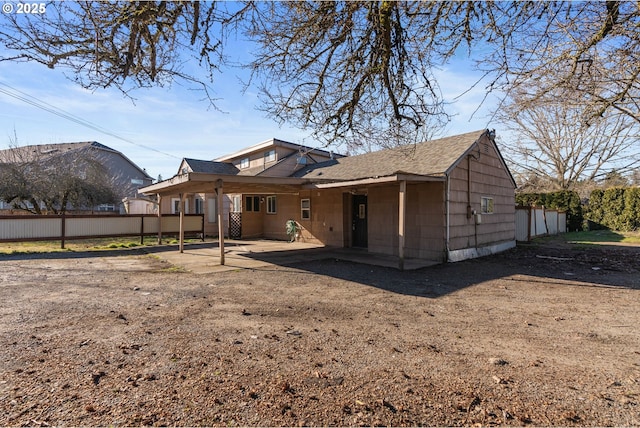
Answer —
349 71
586 52
123 44
557 144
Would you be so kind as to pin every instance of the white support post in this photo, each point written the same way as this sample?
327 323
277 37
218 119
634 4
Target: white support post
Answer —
159 219
219 197
182 198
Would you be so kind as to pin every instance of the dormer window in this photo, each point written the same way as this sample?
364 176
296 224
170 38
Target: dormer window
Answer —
244 163
270 156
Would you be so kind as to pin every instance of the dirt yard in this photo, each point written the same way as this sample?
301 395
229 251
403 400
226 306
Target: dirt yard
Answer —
540 335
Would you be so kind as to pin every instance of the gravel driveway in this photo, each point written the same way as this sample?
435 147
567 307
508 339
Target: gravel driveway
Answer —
539 335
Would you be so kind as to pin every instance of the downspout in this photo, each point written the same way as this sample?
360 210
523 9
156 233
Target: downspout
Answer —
447 222
469 211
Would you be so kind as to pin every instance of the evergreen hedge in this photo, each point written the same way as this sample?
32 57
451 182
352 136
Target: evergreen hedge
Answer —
564 200
617 208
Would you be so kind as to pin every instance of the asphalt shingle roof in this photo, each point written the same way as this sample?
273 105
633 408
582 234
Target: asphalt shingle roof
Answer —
431 158
211 167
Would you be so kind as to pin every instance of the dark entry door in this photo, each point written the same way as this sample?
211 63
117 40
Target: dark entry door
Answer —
359 221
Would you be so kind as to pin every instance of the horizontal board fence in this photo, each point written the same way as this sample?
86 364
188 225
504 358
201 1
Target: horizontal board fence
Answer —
539 221
17 228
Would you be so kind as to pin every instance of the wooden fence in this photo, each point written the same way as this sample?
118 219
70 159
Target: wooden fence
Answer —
539 221
16 228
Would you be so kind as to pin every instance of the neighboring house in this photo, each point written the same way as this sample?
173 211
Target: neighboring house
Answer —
442 200
125 176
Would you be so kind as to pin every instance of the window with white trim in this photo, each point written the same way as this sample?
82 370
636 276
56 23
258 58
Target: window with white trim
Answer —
244 163
175 206
212 210
271 204
198 205
305 209
270 156
486 205
236 204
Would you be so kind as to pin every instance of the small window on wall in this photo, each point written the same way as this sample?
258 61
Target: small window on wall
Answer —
270 156
199 205
486 205
271 204
244 163
236 204
212 210
175 205
305 209
252 204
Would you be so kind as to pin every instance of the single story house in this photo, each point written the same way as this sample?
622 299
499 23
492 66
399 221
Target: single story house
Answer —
442 200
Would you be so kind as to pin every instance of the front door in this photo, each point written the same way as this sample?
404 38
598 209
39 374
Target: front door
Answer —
359 221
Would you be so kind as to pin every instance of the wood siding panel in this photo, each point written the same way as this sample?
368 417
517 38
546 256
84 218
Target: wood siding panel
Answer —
488 178
324 227
284 168
383 205
425 220
275 224
326 223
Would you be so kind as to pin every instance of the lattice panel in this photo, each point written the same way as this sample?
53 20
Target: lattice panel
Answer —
235 225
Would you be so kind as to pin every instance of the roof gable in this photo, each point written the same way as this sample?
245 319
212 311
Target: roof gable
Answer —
272 143
39 152
209 167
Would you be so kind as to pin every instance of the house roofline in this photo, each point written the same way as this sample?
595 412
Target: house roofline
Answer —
198 182
486 134
397 177
77 146
273 142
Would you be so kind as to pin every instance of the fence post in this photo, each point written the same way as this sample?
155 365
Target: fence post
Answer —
62 230
141 229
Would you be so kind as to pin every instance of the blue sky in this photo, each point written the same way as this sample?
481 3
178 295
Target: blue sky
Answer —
163 125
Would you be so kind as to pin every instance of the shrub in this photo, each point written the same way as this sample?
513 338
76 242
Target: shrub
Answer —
617 208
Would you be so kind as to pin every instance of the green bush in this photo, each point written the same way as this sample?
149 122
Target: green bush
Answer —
617 208
595 211
631 213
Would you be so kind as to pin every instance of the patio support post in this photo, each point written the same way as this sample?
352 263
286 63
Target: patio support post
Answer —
159 219
219 195
182 197
402 212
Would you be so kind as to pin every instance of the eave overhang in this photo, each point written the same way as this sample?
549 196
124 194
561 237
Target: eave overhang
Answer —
374 181
196 182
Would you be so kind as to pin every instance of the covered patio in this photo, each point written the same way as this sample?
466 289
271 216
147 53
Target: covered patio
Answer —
204 257
221 184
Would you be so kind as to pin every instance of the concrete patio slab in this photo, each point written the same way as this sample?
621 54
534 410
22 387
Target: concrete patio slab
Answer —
256 254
